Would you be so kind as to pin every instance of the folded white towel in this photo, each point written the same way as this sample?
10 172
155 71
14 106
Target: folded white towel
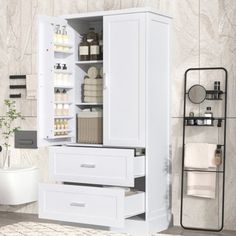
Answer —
200 155
201 184
31 86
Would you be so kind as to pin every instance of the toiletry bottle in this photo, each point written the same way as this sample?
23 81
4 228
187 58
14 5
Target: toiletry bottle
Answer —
59 36
57 95
65 77
55 35
64 96
215 95
55 109
66 109
209 114
191 121
94 49
91 35
84 50
218 88
65 35
218 156
100 40
59 109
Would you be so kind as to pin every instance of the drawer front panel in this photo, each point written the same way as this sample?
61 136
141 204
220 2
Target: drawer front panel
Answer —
94 165
89 205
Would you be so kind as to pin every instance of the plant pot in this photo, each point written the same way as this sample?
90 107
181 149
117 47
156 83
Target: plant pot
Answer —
18 185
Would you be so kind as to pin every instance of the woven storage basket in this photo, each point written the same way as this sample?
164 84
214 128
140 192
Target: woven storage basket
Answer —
89 129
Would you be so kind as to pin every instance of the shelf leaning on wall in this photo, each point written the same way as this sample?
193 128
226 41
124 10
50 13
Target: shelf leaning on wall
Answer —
204 148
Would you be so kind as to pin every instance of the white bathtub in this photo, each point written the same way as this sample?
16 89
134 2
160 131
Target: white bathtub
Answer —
18 185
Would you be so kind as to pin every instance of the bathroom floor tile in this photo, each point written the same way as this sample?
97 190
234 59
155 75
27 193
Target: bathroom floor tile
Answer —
17 224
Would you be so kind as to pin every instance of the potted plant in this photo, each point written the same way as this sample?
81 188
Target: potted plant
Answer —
8 128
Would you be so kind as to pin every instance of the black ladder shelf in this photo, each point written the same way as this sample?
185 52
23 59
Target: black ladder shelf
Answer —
191 122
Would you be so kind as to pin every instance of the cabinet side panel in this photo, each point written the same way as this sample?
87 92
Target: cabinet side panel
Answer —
157 125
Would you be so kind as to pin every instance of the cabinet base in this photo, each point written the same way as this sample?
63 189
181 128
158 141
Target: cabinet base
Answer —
138 227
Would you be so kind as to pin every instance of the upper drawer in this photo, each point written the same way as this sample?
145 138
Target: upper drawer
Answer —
109 166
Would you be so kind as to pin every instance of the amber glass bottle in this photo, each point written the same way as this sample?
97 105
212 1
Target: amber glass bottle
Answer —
101 45
94 49
84 49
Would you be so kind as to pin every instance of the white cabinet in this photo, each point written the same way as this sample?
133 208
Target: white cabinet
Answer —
121 182
124 67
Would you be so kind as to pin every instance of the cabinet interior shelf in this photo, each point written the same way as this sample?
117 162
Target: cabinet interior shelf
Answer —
88 62
61 136
201 170
62 72
89 104
63 117
58 102
62 130
63 52
63 87
63 45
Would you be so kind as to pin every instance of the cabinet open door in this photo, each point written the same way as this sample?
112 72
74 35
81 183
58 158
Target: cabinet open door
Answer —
124 80
52 52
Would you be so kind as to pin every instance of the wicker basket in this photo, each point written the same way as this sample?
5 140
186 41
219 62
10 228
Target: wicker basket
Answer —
89 129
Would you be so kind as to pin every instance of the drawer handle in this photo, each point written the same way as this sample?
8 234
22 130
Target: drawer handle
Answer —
77 204
87 166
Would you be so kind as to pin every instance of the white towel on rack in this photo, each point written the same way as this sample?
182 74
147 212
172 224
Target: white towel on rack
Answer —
201 184
31 86
200 155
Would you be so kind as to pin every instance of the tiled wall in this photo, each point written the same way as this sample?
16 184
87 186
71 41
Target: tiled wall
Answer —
203 34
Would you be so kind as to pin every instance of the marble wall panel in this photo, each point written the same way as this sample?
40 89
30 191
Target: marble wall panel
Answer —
184 48
95 5
112 5
61 7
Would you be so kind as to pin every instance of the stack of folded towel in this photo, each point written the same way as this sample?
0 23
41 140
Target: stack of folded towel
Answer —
93 90
200 156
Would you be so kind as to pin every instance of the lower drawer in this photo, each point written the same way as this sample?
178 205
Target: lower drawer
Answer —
89 205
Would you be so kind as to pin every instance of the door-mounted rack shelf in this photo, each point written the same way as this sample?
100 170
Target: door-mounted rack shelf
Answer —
196 95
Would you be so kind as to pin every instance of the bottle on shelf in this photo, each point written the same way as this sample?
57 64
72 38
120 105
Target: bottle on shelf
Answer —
209 114
84 49
65 109
64 96
66 125
64 66
65 37
59 36
94 49
57 95
216 94
91 35
55 36
191 121
100 40
57 66
218 156
55 109
59 110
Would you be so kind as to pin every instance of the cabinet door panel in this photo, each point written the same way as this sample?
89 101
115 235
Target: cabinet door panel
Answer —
124 86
